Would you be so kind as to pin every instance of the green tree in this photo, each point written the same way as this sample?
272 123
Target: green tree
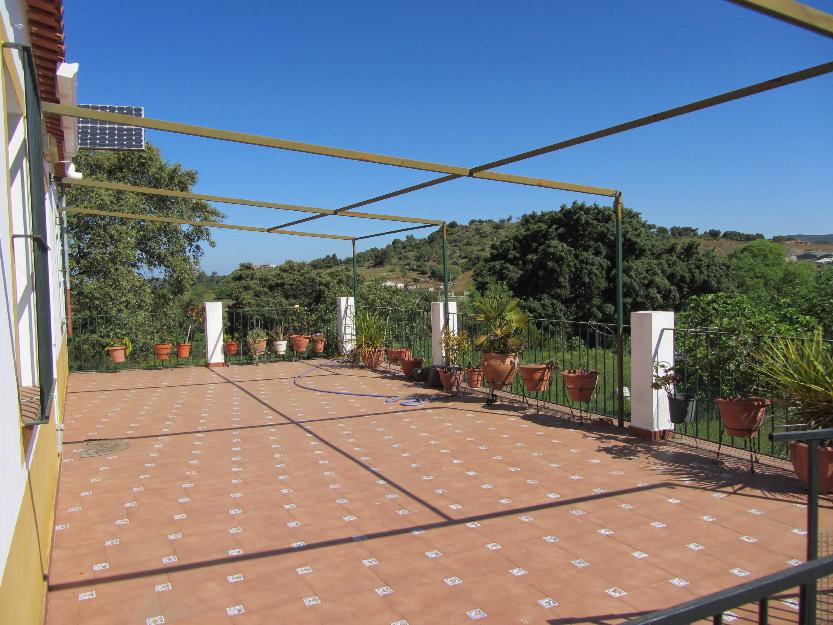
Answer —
137 273
816 300
562 264
762 270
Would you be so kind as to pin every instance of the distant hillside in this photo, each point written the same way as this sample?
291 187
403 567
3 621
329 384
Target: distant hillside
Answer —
813 238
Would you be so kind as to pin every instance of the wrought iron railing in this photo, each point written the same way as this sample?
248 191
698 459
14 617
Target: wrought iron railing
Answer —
92 334
275 322
712 364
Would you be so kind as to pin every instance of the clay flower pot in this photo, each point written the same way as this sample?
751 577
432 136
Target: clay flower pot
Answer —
372 359
409 364
742 416
499 369
474 378
231 347
257 347
392 354
580 384
183 350
162 351
536 377
449 377
117 353
300 342
800 457
318 346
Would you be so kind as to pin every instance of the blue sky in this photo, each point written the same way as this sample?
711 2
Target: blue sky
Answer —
464 83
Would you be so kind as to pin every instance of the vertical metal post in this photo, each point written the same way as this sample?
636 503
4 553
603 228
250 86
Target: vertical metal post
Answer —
809 590
620 316
445 273
355 280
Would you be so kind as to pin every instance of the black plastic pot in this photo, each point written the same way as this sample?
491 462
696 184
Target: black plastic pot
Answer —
681 407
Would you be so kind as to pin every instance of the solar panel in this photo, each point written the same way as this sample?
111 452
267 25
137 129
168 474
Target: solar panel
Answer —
94 134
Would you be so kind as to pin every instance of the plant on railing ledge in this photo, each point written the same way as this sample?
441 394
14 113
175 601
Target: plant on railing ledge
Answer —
119 349
681 405
503 324
799 373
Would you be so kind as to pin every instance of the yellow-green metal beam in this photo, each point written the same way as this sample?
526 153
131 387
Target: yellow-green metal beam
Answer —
206 224
310 148
117 186
794 13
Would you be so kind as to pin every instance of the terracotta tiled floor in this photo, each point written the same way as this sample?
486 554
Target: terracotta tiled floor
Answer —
241 497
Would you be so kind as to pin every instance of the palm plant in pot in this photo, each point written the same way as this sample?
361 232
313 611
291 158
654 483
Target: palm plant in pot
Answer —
580 382
681 406
279 340
503 322
799 373
119 349
370 339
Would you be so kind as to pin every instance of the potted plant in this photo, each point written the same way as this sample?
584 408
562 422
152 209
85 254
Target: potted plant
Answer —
580 383
409 363
256 338
194 314
231 345
279 340
536 378
370 339
162 350
503 322
318 342
681 406
455 349
799 373
119 349
741 410
299 338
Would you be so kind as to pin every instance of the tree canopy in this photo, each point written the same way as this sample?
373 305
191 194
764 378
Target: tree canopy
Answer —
762 270
562 264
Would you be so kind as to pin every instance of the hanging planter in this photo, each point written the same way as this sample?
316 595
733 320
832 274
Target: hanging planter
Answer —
499 369
232 347
580 384
183 350
536 378
162 351
682 408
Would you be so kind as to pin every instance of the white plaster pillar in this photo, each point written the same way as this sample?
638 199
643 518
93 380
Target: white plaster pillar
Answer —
437 325
214 334
652 341
346 312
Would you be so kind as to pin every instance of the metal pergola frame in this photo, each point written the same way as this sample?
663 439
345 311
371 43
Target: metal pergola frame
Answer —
786 10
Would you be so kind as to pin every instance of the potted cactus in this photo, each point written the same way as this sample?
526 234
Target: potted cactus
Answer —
119 349
799 374
681 406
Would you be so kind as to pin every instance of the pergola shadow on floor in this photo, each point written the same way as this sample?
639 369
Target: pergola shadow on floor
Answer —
266 494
